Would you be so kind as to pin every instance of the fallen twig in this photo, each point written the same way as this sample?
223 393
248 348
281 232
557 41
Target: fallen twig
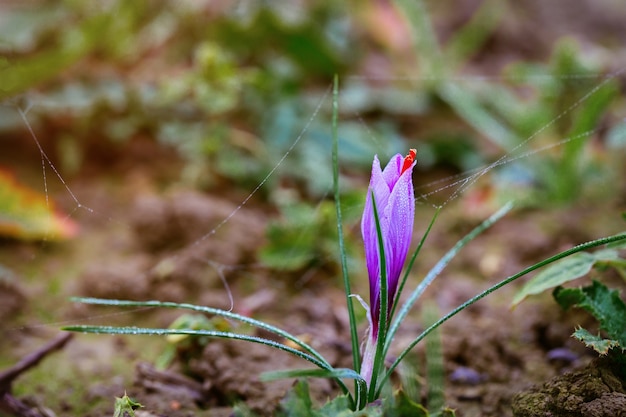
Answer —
12 405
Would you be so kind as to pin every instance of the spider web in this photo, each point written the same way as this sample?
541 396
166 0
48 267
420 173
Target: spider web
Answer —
452 187
455 186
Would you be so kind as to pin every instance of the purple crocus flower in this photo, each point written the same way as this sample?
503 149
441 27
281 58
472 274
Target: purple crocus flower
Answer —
393 191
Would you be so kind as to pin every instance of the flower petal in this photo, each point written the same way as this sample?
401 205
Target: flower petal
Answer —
392 170
399 212
392 190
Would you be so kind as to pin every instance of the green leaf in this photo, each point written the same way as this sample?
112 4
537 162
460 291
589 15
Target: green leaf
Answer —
242 410
298 402
339 406
303 351
125 406
21 74
606 255
404 406
336 374
568 297
446 412
308 373
565 270
597 343
354 337
164 304
372 410
604 304
301 237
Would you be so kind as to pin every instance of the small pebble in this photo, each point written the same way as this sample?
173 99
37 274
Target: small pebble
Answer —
562 355
466 376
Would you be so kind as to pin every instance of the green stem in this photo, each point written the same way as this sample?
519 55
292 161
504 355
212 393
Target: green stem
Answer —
356 360
381 332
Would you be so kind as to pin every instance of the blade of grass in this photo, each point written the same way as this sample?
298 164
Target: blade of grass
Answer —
354 337
439 267
396 301
424 40
340 373
319 373
467 40
190 332
433 65
208 310
469 108
571 251
308 351
410 380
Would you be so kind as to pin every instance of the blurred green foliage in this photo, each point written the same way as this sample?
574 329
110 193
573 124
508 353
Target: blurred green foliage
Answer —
568 105
229 71
240 91
306 237
184 348
534 105
229 95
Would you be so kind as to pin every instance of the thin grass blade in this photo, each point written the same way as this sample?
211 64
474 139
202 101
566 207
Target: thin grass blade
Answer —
396 301
190 332
336 374
571 251
209 310
354 337
439 267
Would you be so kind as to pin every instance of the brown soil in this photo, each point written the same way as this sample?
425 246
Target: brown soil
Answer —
595 390
167 252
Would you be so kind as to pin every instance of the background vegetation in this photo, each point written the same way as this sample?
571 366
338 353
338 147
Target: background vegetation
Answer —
224 97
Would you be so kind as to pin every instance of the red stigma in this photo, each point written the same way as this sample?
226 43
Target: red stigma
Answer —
408 160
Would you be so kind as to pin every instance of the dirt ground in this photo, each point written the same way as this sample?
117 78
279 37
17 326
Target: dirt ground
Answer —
153 244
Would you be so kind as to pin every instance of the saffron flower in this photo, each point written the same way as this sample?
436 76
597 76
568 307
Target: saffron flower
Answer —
392 189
